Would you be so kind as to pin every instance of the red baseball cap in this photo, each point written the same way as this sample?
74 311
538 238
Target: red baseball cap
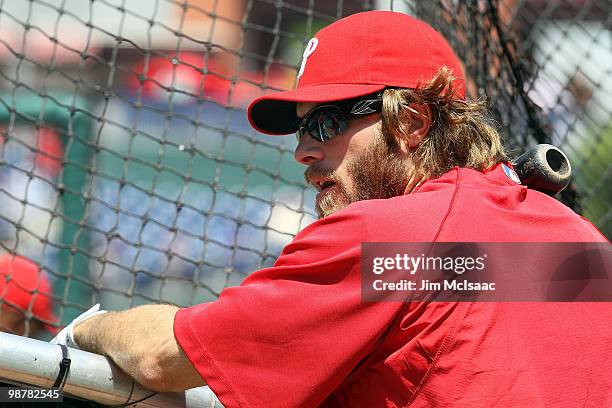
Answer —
357 56
22 283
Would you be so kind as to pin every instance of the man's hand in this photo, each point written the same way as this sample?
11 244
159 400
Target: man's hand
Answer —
141 342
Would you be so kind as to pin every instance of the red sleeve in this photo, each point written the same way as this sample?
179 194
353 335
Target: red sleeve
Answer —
290 334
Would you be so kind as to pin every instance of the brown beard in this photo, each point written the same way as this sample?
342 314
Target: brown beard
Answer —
379 172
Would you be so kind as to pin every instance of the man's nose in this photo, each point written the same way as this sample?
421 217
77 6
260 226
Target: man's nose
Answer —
308 151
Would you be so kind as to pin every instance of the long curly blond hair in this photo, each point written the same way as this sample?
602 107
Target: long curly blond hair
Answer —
461 134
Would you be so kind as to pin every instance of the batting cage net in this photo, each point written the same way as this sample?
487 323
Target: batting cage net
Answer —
129 173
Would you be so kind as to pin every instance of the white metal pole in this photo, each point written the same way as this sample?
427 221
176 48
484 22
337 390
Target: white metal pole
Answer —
92 377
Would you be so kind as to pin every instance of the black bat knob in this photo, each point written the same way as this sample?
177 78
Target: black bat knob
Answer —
544 168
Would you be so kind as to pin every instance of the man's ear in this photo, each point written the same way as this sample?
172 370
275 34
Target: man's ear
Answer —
420 120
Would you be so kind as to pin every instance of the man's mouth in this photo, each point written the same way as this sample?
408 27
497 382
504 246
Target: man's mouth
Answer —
324 187
321 183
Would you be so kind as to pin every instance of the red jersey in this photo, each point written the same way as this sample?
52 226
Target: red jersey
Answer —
298 335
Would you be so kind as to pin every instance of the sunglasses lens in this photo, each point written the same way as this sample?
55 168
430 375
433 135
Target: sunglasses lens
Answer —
325 124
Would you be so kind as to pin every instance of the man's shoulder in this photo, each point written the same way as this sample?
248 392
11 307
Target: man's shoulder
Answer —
413 217
490 206
469 205
462 205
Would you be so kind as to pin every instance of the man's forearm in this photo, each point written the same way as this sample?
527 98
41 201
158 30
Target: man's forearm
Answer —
141 342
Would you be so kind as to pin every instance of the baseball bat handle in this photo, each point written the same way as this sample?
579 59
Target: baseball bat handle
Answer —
544 168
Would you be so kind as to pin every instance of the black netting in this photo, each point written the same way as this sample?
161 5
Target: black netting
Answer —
128 170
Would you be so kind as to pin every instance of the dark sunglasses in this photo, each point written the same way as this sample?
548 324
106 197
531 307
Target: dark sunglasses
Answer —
324 122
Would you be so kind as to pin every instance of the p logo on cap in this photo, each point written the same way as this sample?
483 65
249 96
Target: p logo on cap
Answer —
312 45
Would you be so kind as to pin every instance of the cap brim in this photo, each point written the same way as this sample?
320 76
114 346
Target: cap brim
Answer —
275 114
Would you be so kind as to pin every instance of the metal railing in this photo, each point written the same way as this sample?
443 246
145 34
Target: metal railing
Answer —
25 361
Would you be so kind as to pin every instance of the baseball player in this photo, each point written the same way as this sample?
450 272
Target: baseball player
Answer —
24 290
397 154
